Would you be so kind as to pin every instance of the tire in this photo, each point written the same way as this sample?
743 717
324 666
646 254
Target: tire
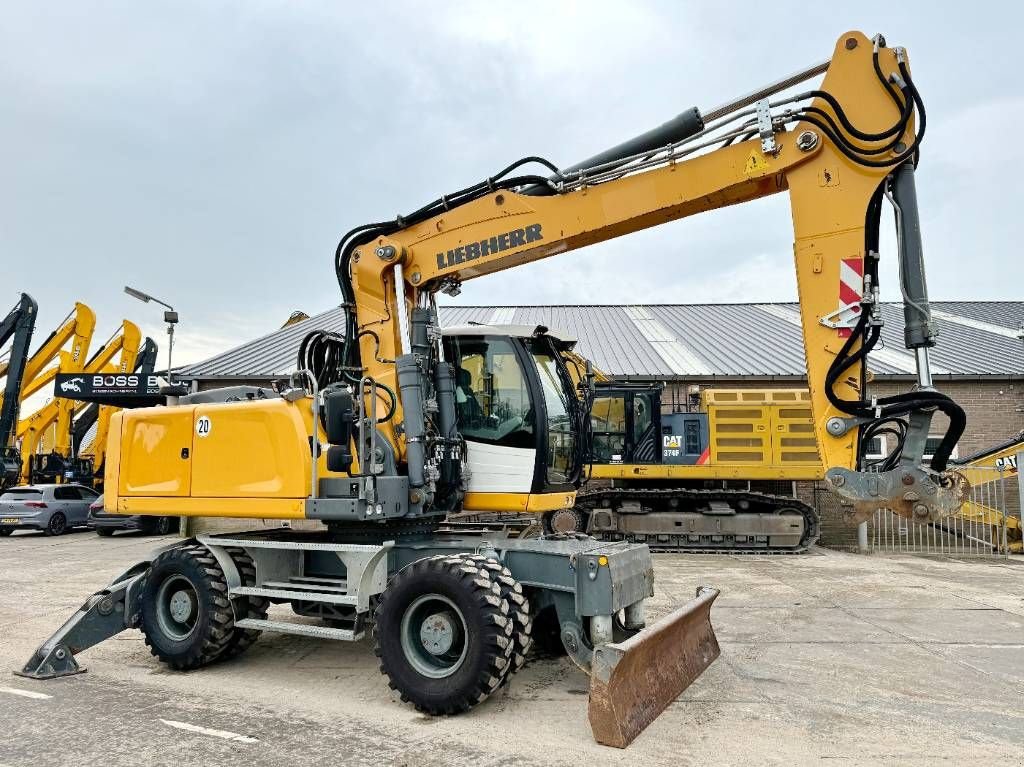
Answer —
5 531
565 521
163 526
186 617
104 532
519 611
472 635
58 524
248 606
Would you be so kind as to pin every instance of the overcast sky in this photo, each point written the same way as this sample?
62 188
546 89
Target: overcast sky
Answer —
212 153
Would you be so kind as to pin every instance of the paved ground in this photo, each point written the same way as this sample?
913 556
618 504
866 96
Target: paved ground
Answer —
826 658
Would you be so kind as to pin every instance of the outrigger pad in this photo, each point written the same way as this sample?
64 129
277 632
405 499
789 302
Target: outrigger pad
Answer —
58 661
632 682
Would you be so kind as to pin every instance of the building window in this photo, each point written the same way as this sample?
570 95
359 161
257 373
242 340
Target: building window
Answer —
932 444
876 449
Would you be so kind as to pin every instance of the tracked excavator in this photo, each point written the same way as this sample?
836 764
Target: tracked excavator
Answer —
699 475
391 426
69 346
59 463
16 329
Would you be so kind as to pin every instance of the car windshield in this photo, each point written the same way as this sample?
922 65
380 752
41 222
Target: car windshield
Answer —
22 494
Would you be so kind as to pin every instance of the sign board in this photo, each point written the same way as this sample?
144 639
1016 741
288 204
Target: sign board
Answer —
120 389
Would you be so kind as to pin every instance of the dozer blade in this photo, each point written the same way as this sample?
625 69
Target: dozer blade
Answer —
632 682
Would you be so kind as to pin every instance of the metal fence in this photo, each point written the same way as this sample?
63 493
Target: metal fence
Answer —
984 527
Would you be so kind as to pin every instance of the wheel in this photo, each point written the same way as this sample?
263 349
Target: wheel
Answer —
186 616
164 526
104 532
248 606
565 521
519 611
58 524
443 634
5 531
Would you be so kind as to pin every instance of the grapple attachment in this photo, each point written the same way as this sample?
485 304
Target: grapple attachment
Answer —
633 681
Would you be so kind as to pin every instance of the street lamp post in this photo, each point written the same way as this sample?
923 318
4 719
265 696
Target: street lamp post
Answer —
170 317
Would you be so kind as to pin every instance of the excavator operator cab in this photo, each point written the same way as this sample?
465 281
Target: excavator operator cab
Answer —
10 466
517 408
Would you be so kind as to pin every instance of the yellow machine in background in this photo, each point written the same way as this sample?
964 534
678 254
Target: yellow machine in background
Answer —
387 429
989 472
58 463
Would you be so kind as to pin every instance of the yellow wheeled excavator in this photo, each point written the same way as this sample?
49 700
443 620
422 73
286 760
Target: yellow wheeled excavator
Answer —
391 426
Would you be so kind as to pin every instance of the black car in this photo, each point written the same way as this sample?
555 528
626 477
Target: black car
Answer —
108 524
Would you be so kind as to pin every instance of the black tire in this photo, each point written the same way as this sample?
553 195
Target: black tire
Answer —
519 611
565 521
104 532
248 607
5 531
58 524
190 578
470 608
163 526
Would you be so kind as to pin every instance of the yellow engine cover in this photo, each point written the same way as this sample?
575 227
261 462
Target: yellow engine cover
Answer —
235 459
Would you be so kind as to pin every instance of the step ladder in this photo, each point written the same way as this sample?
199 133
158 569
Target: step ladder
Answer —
281 576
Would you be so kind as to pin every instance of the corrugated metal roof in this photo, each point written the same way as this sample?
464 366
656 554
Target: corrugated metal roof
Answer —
689 340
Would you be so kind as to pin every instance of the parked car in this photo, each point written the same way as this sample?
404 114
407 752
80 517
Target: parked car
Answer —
107 524
54 509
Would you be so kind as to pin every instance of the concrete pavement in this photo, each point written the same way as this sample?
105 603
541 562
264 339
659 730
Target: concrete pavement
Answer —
827 657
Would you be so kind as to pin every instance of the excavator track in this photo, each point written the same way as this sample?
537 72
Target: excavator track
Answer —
702 521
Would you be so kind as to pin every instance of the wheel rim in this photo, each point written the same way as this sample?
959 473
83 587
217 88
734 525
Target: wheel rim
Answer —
163 526
434 636
177 607
57 523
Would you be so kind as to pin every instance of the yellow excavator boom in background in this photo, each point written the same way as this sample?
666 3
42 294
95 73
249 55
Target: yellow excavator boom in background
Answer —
58 413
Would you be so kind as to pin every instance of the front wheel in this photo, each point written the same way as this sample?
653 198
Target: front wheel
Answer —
58 524
5 531
443 634
104 532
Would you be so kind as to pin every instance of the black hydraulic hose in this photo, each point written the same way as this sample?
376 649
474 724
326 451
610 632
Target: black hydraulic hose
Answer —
885 82
895 130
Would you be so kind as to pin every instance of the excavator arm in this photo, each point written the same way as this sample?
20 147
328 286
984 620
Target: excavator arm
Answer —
838 151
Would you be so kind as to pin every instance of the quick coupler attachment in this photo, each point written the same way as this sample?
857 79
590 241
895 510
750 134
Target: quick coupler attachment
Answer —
909 491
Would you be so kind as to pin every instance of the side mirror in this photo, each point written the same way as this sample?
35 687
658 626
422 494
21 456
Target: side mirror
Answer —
340 416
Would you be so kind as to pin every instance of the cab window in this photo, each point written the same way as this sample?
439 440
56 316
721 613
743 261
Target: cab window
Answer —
492 396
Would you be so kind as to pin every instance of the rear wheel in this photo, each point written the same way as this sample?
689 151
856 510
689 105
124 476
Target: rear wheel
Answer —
162 526
58 524
186 616
246 607
5 531
443 634
105 532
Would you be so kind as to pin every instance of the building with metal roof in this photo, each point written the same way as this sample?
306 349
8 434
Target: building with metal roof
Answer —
676 342
979 360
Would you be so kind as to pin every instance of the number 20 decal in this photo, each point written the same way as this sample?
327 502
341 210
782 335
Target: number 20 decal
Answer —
203 426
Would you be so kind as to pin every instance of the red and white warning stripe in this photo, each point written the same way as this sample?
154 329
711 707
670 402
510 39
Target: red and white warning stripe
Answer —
851 290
